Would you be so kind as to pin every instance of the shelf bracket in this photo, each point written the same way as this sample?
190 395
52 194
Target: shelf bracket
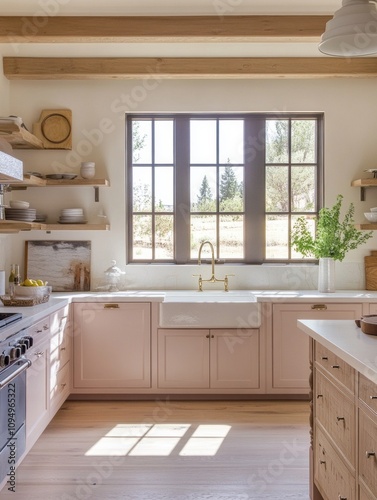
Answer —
96 193
362 194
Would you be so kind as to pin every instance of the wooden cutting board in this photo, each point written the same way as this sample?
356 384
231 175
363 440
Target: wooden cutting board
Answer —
54 128
370 263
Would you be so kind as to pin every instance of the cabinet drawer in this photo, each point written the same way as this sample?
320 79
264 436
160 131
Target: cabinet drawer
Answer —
338 368
38 330
368 446
59 349
336 413
331 475
368 392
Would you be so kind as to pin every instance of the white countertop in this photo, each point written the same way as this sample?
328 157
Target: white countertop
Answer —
30 315
260 295
346 340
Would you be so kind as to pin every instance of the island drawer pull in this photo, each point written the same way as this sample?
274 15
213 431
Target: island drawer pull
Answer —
111 306
340 418
335 366
319 307
370 454
372 397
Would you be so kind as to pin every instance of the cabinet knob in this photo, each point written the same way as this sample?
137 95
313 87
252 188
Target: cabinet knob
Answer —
340 418
369 454
207 336
322 462
319 396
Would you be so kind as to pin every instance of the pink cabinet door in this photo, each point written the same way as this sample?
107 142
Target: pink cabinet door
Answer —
183 359
290 346
234 359
112 345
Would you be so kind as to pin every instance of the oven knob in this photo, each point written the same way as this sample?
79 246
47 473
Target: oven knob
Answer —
15 352
4 360
30 340
26 342
21 346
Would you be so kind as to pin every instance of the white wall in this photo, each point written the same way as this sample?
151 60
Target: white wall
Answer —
350 147
4 111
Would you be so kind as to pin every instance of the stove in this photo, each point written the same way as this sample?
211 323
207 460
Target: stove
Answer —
7 318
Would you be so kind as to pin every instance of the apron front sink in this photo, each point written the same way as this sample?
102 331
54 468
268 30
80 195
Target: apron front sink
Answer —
209 309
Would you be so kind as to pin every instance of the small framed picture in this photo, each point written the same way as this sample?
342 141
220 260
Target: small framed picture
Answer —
64 264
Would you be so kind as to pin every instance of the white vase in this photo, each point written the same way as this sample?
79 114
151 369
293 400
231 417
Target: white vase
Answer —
326 275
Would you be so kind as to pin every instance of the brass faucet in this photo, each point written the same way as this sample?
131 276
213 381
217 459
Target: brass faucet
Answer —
213 278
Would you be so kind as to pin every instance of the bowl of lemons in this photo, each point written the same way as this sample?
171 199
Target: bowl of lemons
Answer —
33 288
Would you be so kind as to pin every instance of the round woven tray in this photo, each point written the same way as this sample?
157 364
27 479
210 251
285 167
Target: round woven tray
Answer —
23 302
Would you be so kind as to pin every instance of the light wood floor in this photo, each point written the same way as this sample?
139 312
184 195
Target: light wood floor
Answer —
170 450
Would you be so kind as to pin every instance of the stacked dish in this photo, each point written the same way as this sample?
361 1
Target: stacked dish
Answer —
40 217
371 216
19 204
24 214
72 216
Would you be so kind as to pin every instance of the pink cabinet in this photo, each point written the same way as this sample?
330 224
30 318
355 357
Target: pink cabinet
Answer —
290 347
112 346
208 359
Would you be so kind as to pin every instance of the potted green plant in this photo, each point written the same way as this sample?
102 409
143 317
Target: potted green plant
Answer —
332 239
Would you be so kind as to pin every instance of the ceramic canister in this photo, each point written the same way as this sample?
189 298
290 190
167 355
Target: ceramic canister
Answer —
88 169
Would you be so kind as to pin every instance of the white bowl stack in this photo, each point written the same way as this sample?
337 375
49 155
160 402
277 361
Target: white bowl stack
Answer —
371 216
72 216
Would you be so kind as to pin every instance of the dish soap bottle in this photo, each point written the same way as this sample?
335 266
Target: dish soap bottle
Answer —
17 276
11 280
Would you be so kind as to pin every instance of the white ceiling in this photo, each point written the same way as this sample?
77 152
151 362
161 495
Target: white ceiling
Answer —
166 7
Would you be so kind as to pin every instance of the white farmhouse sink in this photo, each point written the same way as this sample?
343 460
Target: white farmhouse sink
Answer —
209 309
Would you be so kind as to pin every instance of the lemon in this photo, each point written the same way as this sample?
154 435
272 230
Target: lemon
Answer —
40 283
28 282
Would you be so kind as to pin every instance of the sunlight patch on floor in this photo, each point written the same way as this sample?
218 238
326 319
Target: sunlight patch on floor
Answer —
137 440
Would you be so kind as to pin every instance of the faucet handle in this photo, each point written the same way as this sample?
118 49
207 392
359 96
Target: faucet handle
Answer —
226 282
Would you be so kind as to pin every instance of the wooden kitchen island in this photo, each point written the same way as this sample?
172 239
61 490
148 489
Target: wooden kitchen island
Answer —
343 450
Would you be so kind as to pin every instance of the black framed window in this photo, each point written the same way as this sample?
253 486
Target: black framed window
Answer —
237 180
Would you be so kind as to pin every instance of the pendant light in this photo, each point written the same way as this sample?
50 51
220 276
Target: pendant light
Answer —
353 30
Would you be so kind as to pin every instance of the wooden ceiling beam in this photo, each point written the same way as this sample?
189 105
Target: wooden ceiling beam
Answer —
106 29
86 68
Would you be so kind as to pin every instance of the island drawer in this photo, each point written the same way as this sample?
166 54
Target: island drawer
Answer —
335 366
331 475
336 413
368 451
368 392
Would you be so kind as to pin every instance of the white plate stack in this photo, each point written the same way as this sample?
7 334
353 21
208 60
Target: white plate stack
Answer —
22 214
72 216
